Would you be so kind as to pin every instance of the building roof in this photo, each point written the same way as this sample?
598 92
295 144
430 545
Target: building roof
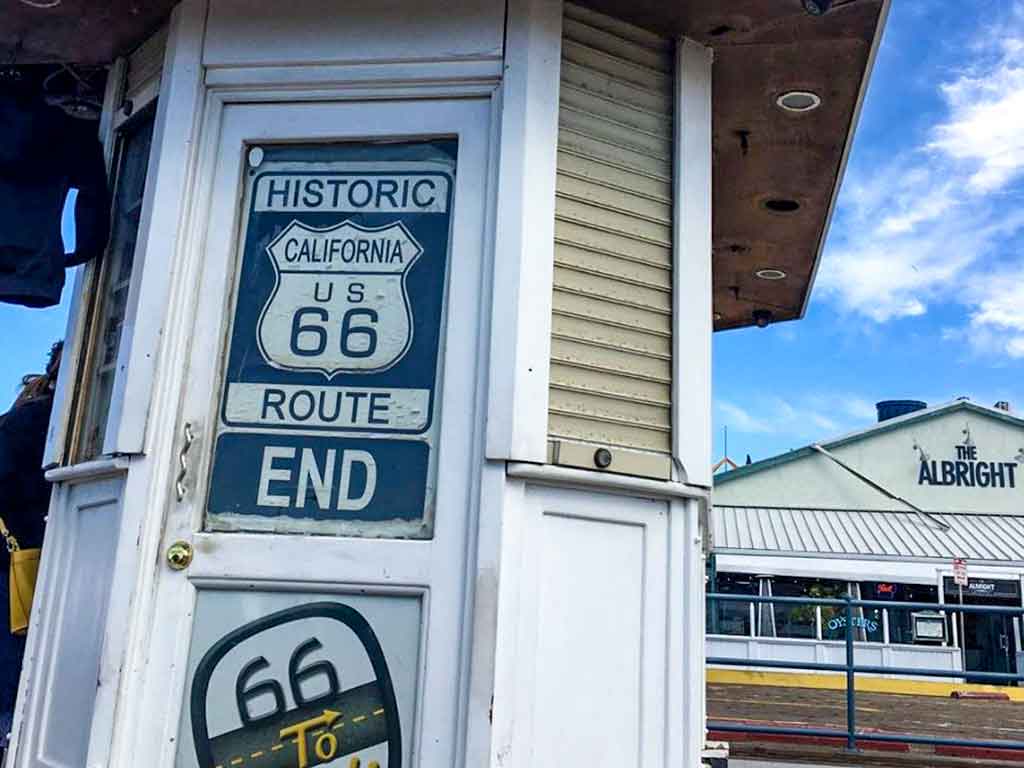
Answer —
865 534
875 429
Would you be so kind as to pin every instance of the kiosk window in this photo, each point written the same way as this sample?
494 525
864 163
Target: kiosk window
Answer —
111 290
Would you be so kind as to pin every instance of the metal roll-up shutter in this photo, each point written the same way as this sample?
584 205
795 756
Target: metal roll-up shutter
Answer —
145 63
611 343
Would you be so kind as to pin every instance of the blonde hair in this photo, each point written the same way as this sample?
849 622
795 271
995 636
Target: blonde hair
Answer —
37 385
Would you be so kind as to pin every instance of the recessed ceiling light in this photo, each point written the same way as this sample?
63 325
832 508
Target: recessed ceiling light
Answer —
42 3
781 205
817 7
770 274
798 101
717 316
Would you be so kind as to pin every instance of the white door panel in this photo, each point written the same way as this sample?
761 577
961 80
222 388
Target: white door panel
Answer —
276 647
68 619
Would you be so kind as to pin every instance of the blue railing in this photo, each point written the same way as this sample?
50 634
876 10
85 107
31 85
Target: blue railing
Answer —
851 669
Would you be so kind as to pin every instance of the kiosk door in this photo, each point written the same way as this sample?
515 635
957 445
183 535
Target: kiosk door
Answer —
311 599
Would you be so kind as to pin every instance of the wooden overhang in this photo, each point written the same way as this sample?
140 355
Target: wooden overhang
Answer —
762 48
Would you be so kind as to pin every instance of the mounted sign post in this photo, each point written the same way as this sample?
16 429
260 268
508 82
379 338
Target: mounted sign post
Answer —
960 579
960 574
328 417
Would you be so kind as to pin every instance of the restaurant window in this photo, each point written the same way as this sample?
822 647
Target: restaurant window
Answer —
800 621
868 623
901 627
111 289
727 617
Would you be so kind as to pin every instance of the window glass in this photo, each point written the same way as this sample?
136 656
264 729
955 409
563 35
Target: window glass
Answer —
793 620
729 618
111 294
901 627
868 623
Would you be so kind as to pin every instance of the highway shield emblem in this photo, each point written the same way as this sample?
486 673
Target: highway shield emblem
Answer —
340 303
338 699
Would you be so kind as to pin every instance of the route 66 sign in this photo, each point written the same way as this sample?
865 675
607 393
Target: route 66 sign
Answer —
329 412
297 681
337 288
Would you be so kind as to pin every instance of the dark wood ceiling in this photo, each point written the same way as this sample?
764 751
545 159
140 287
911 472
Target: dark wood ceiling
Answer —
762 48
77 31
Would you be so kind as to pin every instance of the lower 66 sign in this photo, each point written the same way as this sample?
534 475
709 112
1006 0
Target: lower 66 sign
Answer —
292 680
328 419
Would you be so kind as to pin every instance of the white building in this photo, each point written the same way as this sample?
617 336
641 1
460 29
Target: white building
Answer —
880 514
383 429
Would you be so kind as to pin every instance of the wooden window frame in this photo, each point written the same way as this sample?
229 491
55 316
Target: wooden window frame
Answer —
126 104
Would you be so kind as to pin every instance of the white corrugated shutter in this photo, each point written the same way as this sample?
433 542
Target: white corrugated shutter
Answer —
145 63
611 345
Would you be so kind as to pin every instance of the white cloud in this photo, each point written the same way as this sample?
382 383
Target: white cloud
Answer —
823 423
911 233
806 417
738 418
997 315
859 409
986 125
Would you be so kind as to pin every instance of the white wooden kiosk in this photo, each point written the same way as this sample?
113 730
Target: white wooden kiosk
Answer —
383 434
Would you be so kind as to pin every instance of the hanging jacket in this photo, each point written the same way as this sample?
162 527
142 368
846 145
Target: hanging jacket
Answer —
43 154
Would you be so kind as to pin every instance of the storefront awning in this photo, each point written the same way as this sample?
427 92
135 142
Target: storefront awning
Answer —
864 534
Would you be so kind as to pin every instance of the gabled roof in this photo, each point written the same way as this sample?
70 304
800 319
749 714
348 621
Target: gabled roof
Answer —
875 429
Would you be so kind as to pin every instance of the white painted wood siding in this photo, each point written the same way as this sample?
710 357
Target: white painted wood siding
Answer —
601 596
65 669
611 334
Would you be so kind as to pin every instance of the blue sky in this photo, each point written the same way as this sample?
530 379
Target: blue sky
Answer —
28 334
920 293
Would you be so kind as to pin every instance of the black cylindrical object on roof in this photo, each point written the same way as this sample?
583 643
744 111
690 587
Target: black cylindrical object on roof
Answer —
890 409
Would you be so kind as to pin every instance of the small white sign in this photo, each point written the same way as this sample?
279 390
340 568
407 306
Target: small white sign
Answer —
960 572
297 406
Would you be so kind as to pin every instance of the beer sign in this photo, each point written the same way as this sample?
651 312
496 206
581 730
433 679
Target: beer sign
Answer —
329 414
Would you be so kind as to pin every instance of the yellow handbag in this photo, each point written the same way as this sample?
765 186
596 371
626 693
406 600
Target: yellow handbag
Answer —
22 586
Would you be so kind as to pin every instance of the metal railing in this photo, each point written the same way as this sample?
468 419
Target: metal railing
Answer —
851 669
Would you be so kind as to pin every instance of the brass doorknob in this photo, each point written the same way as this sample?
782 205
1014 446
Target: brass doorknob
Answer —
179 555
